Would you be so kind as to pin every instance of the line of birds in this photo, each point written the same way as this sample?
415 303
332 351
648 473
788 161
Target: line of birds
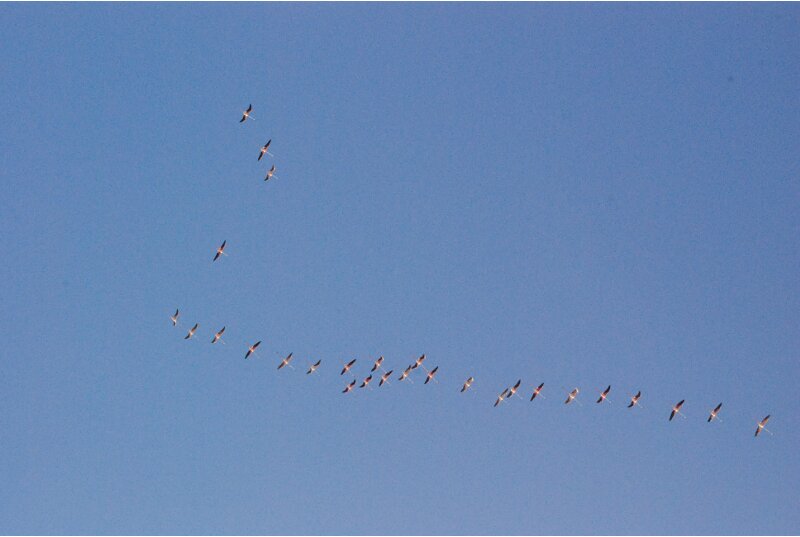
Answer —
385 375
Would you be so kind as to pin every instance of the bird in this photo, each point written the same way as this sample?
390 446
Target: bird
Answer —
246 114
536 391
313 367
513 389
377 364
418 362
265 149
191 332
286 361
406 373
714 413
431 374
572 395
676 410
252 349
467 384
348 366
604 394
366 382
349 387
501 397
762 425
220 250
385 377
175 317
635 399
270 173
218 336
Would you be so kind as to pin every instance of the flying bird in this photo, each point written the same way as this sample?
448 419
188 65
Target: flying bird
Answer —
537 391
348 366
377 364
313 367
385 377
220 250
431 374
246 114
406 373
501 397
572 395
252 349
349 387
604 394
175 317
513 389
635 399
218 336
418 363
366 382
265 149
676 410
270 173
714 413
286 361
467 384
191 332
762 425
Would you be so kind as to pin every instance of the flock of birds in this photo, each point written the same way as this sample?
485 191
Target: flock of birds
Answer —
378 371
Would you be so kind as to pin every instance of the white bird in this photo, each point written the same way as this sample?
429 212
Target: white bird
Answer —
220 250
191 332
572 395
265 149
246 114
286 361
313 367
677 410
348 366
377 364
536 391
406 373
431 374
385 377
635 399
604 394
513 390
714 413
763 425
467 384
270 173
349 387
366 382
418 363
218 336
252 349
501 397
175 317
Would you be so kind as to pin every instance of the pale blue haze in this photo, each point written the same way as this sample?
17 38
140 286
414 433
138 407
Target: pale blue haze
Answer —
578 194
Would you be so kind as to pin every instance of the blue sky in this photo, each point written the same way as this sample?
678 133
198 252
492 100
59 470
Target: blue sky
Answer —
576 194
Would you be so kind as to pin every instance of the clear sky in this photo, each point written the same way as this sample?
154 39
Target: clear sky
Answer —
579 194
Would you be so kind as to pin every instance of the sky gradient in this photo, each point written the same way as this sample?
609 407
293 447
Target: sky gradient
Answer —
580 194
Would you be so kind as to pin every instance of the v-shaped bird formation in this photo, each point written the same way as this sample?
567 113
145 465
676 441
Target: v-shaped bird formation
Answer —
385 374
